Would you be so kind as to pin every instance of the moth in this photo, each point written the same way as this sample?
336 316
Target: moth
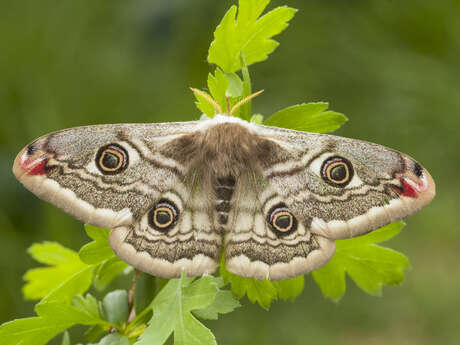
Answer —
178 194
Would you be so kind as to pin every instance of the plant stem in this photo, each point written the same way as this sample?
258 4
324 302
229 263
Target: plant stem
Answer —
246 110
131 292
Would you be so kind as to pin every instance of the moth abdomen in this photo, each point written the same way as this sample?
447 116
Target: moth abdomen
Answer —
223 193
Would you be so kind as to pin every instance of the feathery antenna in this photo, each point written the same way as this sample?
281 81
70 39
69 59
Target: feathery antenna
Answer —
245 100
217 108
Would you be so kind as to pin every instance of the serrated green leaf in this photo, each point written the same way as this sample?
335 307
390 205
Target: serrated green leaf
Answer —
377 236
204 104
116 308
99 250
331 279
224 303
108 271
96 233
87 304
172 312
218 85
78 283
42 281
114 339
159 328
95 253
247 34
58 285
51 253
192 332
58 312
291 288
30 331
235 85
54 317
309 117
225 88
101 254
199 294
369 265
261 291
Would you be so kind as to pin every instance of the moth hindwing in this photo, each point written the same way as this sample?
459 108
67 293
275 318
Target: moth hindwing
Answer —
177 194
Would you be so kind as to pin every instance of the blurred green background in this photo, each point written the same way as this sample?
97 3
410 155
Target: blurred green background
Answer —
393 67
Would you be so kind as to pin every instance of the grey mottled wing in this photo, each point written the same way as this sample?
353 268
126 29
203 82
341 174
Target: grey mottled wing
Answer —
384 185
308 190
67 168
169 191
255 248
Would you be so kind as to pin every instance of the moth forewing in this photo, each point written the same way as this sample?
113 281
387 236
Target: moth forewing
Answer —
174 192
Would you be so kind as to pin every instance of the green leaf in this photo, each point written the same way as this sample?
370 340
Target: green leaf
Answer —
224 303
369 265
192 332
116 308
262 291
58 284
87 304
108 271
218 84
66 266
100 253
172 312
248 34
200 294
114 339
309 117
331 279
235 85
204 104
78 283
61 313
291 288
224 87
54 318
30 331
51 253
99 250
